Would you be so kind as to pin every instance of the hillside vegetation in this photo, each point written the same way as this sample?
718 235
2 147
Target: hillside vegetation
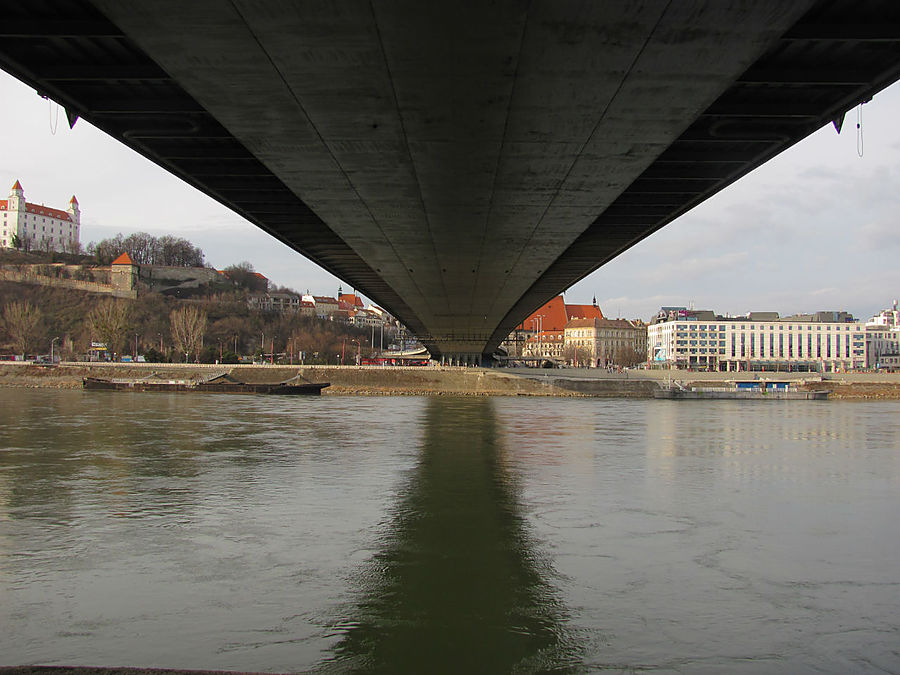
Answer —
229 327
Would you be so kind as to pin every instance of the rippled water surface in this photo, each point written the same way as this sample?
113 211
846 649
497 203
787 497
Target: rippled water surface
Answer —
448 535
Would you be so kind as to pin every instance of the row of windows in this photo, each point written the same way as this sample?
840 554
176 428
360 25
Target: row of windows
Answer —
790 327
752 348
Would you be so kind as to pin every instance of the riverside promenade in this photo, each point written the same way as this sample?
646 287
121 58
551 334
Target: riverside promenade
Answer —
444 380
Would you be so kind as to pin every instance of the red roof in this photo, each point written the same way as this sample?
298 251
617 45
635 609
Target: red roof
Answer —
38 209
351 299
73 201
600 323
17 185
547 336
123 259
42 210
583 312
551 316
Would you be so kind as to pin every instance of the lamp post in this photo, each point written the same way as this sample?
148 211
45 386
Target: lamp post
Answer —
539 322
51 349
541 334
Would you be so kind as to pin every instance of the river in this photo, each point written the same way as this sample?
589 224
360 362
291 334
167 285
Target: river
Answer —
408 534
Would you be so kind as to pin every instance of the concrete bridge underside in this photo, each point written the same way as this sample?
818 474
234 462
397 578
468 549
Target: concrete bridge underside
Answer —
458 162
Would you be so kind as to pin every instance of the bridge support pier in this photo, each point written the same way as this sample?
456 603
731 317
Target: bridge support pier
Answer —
467 360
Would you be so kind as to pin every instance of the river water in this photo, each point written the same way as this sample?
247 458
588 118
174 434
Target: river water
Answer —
404 534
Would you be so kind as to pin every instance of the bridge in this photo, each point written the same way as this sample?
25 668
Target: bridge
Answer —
458 162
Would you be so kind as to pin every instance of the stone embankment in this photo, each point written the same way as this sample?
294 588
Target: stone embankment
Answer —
372 380
415 381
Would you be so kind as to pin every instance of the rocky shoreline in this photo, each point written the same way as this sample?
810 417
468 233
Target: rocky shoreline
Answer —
437 381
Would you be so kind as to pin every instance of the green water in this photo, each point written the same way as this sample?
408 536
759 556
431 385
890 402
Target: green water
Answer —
343 534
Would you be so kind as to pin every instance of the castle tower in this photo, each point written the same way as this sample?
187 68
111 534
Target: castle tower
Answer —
16 201
123 275
74 211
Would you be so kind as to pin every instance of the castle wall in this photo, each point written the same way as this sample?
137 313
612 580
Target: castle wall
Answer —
26 275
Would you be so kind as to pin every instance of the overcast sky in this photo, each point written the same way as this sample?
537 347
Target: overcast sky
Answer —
816 228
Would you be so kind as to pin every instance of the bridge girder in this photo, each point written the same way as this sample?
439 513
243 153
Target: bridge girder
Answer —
458 163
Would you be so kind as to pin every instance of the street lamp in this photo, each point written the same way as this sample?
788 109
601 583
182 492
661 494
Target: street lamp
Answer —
51 349
538 321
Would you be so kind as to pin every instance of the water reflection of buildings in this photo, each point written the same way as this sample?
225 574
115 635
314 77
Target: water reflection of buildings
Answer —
457 584
770 441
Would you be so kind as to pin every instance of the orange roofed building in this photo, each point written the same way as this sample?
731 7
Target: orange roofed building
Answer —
35 226
551 318
350 299
555 314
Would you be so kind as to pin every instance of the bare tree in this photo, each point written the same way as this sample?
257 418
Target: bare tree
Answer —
576 355
139 247
73 246
188 327
145 249
629 357
21 321
243 275
109 322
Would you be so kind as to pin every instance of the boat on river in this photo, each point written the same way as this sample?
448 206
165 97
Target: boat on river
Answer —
756 390
218 384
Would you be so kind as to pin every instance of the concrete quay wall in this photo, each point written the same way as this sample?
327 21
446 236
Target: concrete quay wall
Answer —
366 380
374 380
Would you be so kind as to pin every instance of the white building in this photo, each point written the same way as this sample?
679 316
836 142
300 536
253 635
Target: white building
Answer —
761 343
325 306
38 227
545 344
285 303
883 340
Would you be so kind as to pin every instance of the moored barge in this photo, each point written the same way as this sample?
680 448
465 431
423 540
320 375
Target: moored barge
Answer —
759 390
220 384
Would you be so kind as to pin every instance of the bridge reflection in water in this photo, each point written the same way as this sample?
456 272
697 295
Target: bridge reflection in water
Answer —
458 584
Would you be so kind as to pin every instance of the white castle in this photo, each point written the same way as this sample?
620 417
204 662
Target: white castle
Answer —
35 226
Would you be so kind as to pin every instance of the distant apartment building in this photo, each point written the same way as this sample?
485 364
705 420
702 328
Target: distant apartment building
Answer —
282 302
325 306
883 340
548 344
38 227
760 341
605 342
